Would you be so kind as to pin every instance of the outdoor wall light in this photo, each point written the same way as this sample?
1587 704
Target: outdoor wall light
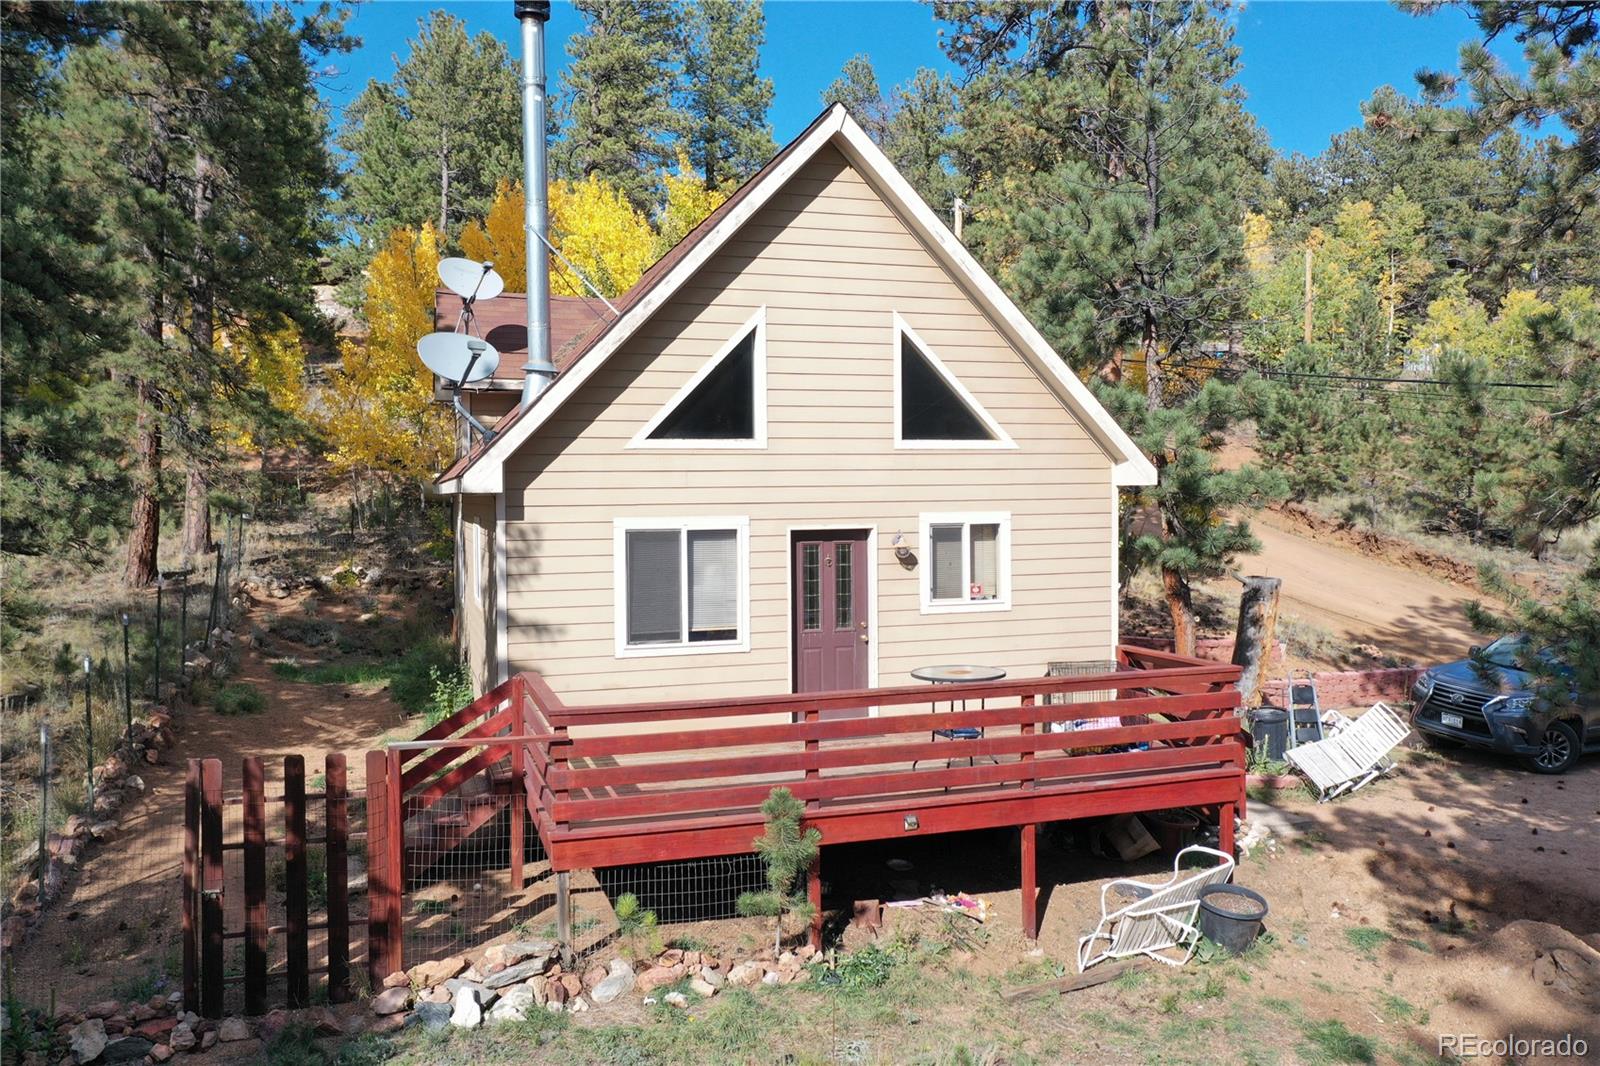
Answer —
902 551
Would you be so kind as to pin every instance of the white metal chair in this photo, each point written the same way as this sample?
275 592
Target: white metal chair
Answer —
1162 921
1353 756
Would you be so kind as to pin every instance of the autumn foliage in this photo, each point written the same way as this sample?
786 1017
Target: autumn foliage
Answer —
379 411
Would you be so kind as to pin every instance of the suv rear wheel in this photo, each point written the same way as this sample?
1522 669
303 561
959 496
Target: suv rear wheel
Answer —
1558 750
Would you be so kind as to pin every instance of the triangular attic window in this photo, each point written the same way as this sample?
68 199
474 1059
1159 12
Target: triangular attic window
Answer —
934 408
725 403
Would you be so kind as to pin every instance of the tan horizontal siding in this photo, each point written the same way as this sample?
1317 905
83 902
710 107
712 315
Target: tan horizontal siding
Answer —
831 263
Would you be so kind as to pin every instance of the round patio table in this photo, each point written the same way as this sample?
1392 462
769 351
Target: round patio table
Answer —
955 673
952 674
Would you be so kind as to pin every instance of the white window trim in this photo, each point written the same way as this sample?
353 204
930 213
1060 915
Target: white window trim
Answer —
966 519
1002 439
757 323
478 574
620 528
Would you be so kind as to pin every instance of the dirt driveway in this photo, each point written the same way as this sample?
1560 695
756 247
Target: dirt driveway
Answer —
1363 599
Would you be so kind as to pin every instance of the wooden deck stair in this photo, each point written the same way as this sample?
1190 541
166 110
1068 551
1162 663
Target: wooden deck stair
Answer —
452 794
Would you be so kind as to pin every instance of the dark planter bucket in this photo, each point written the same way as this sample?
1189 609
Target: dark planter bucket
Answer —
1173 830
1235 931
1270 728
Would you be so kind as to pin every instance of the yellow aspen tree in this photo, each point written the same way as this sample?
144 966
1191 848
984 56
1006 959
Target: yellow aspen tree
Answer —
595 226
689 201
380 414
498 238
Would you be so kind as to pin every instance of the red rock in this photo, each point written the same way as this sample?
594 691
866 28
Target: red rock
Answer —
389 1023
398 979
106 1008
572 983
160 1053
656 977
156 1030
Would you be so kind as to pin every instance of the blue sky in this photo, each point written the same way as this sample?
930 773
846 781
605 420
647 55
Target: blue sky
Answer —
1307 65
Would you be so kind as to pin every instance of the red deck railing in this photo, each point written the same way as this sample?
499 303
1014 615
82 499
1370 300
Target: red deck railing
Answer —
617 784
650 782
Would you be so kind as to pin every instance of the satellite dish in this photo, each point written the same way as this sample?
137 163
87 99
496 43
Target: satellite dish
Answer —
470 279
458 358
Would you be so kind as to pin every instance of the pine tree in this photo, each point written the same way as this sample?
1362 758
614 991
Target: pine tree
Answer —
619 90
62 485
726 98
914 124
196 131
431 144
1549 232
857 89
1198 529
1111 159
788 851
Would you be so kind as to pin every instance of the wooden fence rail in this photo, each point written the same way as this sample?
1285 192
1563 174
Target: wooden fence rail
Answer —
205 885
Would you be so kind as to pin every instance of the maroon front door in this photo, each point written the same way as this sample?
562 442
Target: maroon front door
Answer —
830 608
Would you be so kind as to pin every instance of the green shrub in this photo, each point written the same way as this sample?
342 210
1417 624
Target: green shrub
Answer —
238 698
412 681
452 690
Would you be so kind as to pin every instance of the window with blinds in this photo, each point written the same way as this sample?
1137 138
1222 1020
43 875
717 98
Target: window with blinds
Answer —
968 562
682 586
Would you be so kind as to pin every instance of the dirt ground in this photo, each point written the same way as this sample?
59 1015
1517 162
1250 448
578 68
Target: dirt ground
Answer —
1360 598
118 925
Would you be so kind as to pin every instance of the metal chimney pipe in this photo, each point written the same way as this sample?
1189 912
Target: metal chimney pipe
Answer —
539 370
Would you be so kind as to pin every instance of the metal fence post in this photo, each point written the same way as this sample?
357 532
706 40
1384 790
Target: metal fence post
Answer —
88 734
159 583
127 678
44 798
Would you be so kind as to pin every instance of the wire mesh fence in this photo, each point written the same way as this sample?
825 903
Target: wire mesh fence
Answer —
465 884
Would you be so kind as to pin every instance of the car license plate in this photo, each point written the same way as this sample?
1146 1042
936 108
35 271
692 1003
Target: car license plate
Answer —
1451 720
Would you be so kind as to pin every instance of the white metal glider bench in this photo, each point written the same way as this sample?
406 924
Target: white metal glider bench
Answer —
1353 755
1162 921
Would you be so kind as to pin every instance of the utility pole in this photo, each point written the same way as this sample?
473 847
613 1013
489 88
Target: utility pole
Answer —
1307 327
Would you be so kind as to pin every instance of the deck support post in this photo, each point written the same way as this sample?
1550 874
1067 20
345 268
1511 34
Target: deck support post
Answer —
1225 829
814 894
1030 881
564 915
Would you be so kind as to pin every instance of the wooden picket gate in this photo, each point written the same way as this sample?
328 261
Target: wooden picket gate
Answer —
207 883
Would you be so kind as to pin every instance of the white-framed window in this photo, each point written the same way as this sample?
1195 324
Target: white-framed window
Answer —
725 404
682 585
932 408
966 561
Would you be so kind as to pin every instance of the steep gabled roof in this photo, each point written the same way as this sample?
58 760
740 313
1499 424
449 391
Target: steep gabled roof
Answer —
481 469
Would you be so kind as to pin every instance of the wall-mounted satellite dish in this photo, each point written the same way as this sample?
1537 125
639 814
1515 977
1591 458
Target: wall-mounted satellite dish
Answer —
458 358
470 279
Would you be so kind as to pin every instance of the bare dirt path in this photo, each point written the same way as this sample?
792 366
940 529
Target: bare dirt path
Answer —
118 924
1363 599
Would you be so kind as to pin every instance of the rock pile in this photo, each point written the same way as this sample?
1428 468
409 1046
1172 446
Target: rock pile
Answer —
115 785
506 982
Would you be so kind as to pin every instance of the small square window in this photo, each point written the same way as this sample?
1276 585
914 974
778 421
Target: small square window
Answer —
968 562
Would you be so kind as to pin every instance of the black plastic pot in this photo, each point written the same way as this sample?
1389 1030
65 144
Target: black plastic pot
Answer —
1270 728
1235 930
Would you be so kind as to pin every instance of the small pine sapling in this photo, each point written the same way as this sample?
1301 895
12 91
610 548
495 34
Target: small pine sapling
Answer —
788 852
637 926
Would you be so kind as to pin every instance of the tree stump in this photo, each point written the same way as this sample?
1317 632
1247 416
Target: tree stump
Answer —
1256 636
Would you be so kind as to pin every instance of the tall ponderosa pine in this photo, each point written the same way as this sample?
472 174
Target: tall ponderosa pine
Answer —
62 485
725 96
1551 232
619 91
197 132
431 144
914 123
1111 158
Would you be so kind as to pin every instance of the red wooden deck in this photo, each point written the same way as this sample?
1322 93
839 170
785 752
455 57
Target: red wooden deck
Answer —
631 783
